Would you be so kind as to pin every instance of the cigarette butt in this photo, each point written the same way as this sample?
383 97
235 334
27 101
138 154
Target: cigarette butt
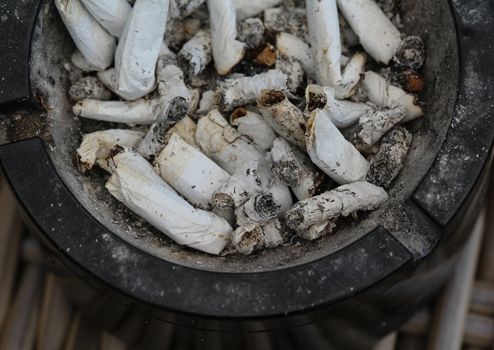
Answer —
139 112
223 144
111 14
317 231
195 98
88 87
331 153
410 53
190 172
81 63
209 100
227 51
247 239
284 117
324 30
352 75
376 32
383 94
245 90
342 201
411 81
250 8
109 79
95 147
259 209
251 32
267 57
388 162
292 46
252 237
170 79
139 48
179 31
186 129
253 177
274 233
342 113
293 70
154 141
286 19
92 40
294 169
374 125
135 183
197 52
180 9
253 126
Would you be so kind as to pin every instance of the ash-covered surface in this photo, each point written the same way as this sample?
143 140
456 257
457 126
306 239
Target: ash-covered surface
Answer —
428 18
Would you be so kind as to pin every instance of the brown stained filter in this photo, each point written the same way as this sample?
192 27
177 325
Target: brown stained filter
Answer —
267 57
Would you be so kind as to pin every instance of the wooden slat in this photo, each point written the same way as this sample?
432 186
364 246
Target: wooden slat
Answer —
55 316
478 331
486 262
388 343
110 342
9 265
82 335
483 298
452 308
410 342
19 331
10 234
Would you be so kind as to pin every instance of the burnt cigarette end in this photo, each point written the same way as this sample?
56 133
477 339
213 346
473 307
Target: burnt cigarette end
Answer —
288 172
294 217
359 93
251 32
238 113
266 206
271 98
410 53
316 101
248 239
267 57
177 110
388 162
411 81
114 151
223 201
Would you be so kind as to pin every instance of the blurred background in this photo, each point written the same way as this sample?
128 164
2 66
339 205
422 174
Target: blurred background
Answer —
35 313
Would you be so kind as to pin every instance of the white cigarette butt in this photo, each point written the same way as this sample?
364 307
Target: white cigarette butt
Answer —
190 172
329 150
223 144
283 116
139 112
245 90
95 146
251 8
111 14
342 201
139 47
253 126
94 42
135 183
376 32
227 51
383 94
324 30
